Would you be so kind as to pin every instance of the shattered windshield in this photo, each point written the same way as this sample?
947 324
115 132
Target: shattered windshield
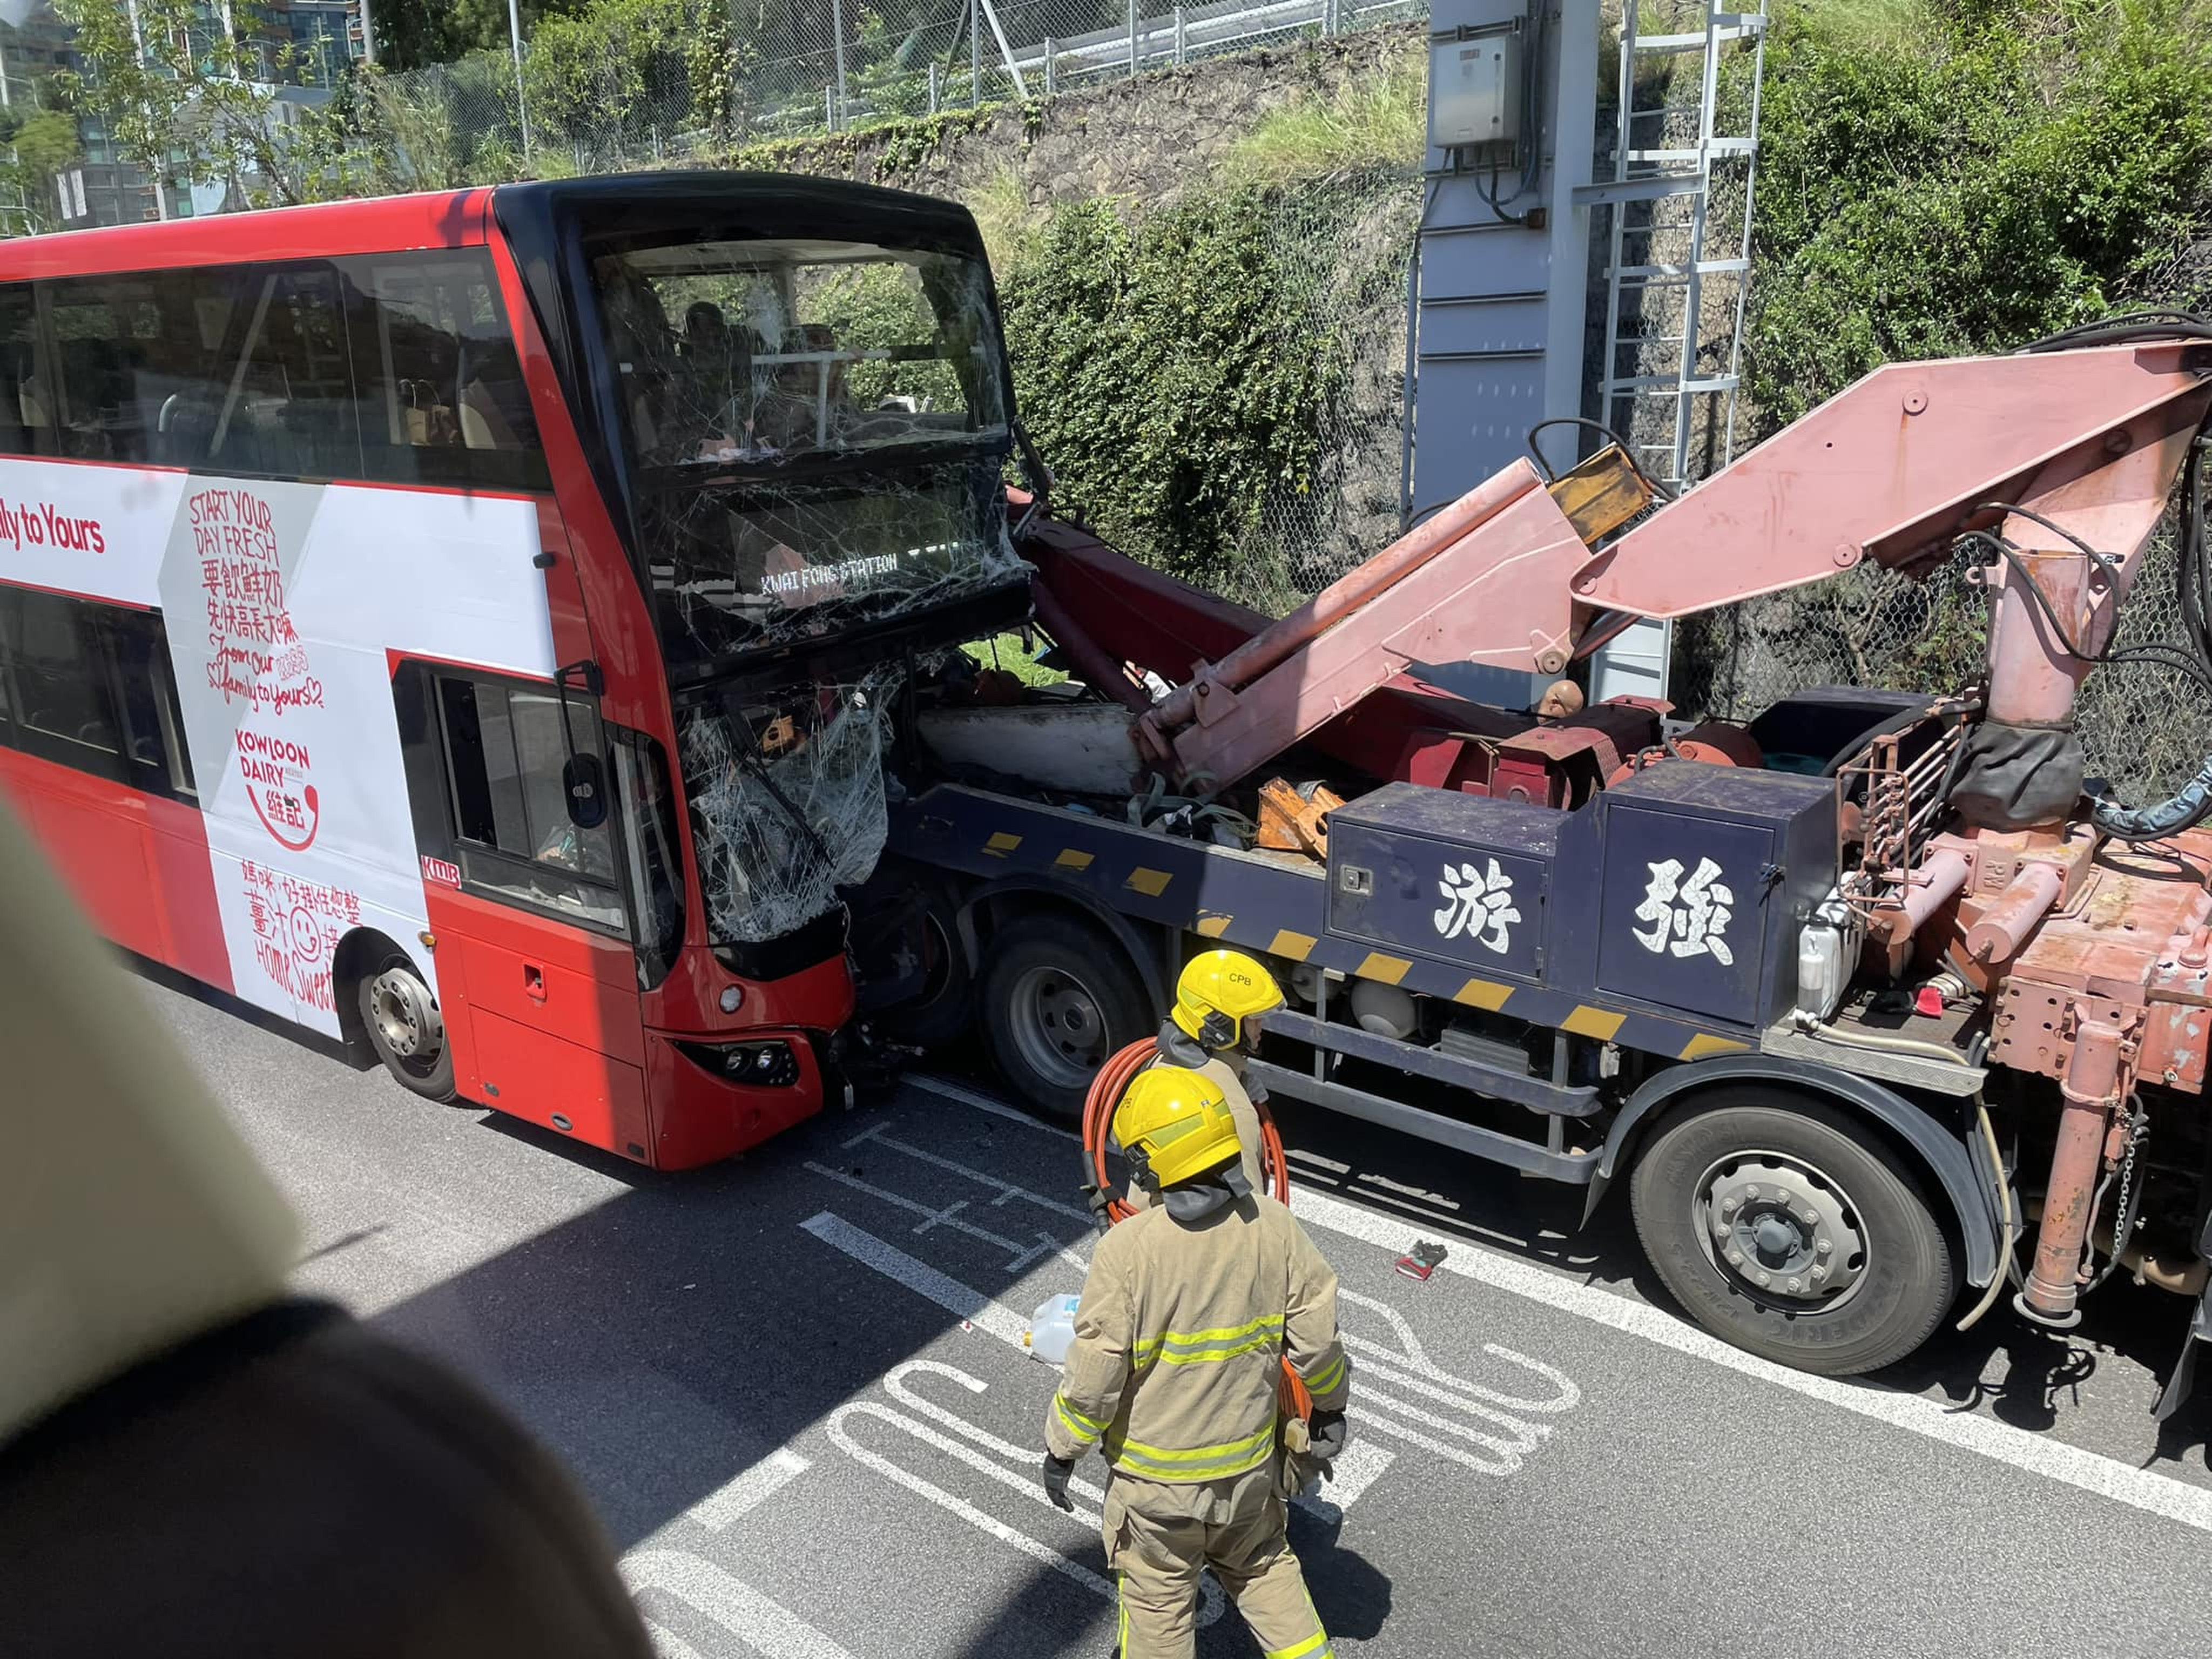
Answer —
787 802
814 431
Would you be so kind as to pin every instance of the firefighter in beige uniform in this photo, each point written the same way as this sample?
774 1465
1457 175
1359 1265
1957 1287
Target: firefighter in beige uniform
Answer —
1188 1311
1214 1023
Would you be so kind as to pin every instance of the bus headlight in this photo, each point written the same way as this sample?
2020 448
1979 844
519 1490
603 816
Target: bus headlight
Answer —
763 1064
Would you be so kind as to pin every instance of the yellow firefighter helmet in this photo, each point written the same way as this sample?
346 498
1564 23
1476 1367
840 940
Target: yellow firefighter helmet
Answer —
1174 1125
1217 992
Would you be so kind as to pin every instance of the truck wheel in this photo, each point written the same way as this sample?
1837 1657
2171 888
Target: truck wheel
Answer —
406 1030
946 1005
1782 1227
1058 997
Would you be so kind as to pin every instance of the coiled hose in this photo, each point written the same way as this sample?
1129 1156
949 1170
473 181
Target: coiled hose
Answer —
1292 1397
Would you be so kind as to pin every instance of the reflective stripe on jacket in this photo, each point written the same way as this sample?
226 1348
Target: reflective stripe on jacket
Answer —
1179 1337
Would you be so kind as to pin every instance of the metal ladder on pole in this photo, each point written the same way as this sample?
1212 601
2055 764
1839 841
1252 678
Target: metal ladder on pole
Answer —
1680 236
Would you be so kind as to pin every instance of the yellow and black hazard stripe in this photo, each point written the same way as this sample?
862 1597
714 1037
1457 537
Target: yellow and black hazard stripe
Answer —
1271 906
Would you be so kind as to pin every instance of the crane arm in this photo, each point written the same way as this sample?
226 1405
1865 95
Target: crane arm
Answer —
1893 469
1897 465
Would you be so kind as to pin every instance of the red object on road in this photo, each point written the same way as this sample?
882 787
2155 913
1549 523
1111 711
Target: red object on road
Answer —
1421 1261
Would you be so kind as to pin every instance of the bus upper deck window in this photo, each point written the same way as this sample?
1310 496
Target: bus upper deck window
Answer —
289 409
443 382
24 416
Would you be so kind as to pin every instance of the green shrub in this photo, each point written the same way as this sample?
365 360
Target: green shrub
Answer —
1165 375
1966 175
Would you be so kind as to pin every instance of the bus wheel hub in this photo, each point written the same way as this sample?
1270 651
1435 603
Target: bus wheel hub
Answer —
406 1021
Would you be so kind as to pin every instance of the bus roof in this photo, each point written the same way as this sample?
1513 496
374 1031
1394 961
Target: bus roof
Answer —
460 218
381 224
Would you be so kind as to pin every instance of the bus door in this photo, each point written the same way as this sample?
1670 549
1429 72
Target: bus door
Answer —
534 918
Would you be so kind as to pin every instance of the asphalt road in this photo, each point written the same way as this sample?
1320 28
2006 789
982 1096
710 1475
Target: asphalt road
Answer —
794 1388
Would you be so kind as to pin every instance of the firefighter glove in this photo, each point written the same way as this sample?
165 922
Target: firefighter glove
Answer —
1056 1471
1330 1435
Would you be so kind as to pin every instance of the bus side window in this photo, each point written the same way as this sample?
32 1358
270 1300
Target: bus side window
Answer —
26 421
7 674
442 391
63 689
131 375
89 686
146 692
64 706
655 856
289 406
503 758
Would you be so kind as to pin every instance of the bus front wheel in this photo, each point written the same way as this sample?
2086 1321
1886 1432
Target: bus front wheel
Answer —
406 1030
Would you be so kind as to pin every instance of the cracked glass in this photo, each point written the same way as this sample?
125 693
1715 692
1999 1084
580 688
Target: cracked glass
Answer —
814 434
786 801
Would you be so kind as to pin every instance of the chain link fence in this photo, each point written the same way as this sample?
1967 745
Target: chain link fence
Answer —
1345 249
2144 728
688 83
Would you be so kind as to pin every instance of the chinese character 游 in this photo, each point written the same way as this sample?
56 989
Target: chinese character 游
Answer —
1478 903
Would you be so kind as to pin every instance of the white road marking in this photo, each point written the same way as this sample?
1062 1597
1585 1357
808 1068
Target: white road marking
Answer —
1020 1255
748 1489
1367 1401
895 1384
1007 1191
951 1091
668 1646
1411 1354
1362 1411
2037 1454
1028 1485
1210 1594
948 1293
766 1626
1353 1473
1368 1370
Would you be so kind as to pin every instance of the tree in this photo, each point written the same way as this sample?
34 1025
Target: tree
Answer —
184 99
410 34
39 144
627 64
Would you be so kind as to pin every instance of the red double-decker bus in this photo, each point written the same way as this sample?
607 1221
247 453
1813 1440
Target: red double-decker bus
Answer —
453 622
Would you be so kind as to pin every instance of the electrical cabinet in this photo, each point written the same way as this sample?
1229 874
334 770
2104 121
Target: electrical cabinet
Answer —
1474 91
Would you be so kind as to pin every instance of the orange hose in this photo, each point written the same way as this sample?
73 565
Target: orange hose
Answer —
1106 1089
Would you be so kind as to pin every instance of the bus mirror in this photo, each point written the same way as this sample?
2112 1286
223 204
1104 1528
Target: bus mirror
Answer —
584 781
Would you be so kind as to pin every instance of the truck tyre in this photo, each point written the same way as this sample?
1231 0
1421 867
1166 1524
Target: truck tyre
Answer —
1784 1227
946 1005
1059 997
404 1027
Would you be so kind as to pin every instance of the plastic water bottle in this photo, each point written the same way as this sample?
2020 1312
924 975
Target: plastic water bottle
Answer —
1052 1329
